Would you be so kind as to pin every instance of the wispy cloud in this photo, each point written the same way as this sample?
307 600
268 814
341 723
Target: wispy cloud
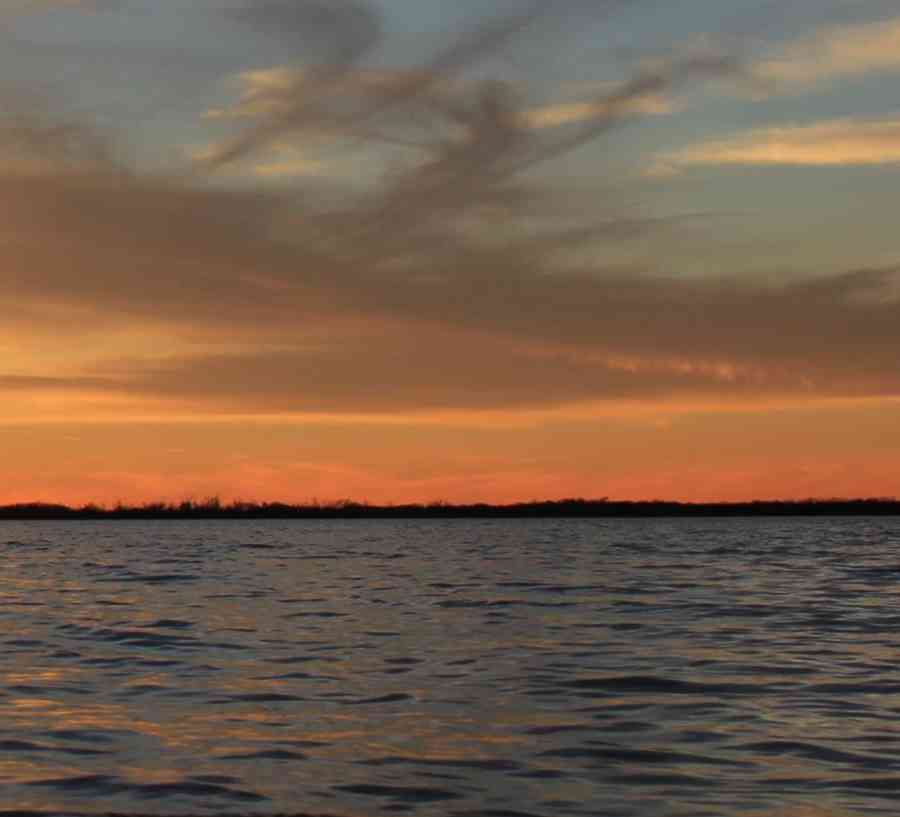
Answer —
834 143
455 281
25 6
272 91
290 162
431 106
443 114
570 113
833 53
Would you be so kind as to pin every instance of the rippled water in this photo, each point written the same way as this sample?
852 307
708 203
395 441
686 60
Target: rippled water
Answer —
595 667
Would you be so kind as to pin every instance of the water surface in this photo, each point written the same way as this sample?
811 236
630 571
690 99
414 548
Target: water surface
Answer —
723 667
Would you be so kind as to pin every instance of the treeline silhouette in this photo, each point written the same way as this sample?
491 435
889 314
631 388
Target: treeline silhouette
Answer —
213 508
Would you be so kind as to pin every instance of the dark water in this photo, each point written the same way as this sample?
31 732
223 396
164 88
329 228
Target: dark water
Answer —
625 667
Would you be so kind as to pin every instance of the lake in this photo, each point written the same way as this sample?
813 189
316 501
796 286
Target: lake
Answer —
645 667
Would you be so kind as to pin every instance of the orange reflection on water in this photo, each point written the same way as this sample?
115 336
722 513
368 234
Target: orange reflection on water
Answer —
20 769
33 703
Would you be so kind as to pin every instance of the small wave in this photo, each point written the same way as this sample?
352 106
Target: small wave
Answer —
302 659
556 729
142 638
29 689
289 676
101 785
495 812
89 784
21 746
151 578
169 624
267 754
405 794
657 685
859 688
541 774
619 754
866 784
85 735
661 779
315 614
394 697
159 662
491 603
484 765
259 698
196 788
133 690
818 752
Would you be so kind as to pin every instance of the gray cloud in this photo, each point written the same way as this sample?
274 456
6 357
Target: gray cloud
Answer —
30 6
432 370
30 383
459 281
481 142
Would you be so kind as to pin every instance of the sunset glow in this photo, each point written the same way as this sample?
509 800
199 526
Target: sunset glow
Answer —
292 250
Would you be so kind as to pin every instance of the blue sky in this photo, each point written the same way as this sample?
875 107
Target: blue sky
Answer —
149 71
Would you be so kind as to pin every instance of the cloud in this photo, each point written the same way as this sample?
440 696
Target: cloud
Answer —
273 91
334 318
341 97
834 143
568 113
341 31
291 164
455 280
26 6
480 328
31 145
833 53
442 368
31 383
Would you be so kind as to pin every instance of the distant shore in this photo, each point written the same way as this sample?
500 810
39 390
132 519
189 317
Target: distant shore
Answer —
548 509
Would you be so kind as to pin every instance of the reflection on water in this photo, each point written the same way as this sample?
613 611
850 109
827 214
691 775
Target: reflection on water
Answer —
619 667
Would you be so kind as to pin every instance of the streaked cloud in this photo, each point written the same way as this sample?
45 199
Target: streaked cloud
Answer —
569 113
268 91
433 106
833 53
279 161
272 93
276 90
293 163
452 281
835 143
25 6
333 314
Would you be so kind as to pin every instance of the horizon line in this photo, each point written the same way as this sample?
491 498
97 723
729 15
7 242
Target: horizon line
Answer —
213 507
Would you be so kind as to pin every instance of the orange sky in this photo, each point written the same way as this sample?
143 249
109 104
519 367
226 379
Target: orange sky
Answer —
387 259
720 454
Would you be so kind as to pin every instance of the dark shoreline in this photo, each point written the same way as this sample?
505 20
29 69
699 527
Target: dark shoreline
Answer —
552 509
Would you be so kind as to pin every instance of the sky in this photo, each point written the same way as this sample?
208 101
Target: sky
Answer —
413 250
